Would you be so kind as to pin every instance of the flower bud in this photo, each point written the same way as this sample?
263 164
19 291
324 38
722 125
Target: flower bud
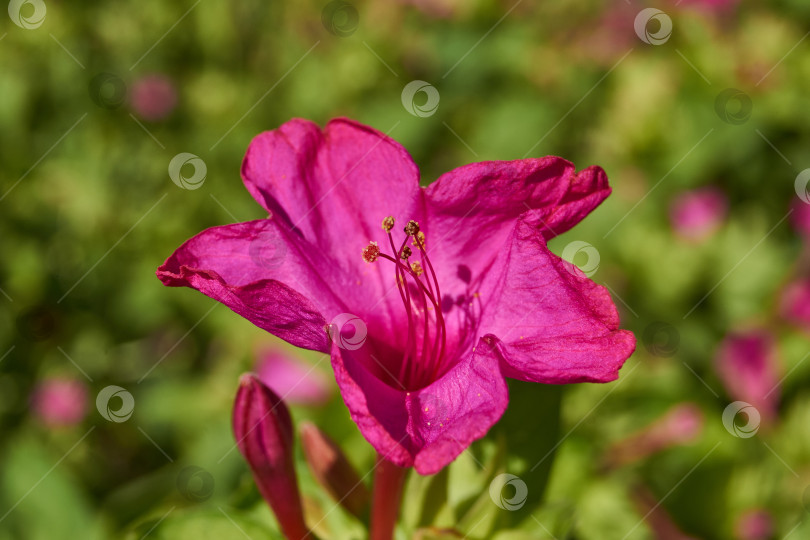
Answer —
264 434
333 471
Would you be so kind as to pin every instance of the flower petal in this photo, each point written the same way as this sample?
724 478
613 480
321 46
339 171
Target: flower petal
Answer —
430 427
334 185
471 211
552 324
263 272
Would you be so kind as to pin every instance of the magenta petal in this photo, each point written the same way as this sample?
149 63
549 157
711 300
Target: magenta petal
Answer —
430 427
552 323
262 272
334 185
487 197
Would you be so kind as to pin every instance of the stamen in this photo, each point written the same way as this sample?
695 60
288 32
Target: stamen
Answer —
411 228
421 362
371 252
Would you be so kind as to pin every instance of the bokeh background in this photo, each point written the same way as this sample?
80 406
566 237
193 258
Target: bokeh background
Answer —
702 127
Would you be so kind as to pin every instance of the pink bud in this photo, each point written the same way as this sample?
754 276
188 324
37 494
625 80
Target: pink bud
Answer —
800 217
754 524
264 433
333 471
794 304
292 378
747 364
696 214
681 424
60 402
153 97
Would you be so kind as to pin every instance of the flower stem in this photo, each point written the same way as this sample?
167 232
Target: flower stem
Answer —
388 483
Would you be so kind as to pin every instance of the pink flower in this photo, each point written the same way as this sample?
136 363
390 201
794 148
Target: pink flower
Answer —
794 304
756 524
420 347
801 217
696 214
748 366
293 379
153 97
60 402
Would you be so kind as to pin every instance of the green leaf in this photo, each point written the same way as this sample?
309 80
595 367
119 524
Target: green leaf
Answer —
202 525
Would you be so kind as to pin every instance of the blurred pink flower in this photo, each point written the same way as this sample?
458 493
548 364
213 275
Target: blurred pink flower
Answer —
755 524
696 214
59 402
794 305
291 378
801 217
153 97
747 363
681 424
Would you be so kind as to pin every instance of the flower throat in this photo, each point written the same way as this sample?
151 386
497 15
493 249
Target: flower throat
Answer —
422 360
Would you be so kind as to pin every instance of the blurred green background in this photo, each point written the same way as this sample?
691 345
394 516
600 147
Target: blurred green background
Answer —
88 211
